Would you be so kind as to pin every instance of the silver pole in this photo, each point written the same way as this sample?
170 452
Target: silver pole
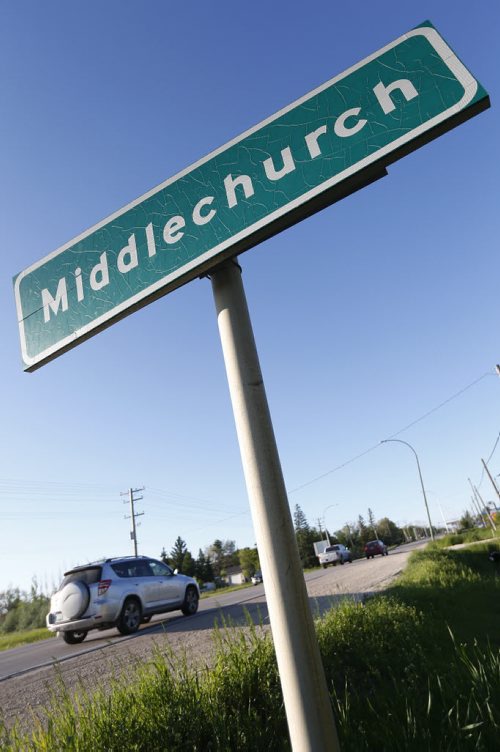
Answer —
305 692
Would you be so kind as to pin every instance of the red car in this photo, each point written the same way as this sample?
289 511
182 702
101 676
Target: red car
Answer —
375 547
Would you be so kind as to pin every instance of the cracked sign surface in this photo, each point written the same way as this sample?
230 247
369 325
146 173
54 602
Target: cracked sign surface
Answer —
318 149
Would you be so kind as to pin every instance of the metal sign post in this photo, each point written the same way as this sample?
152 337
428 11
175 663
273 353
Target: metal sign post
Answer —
307 702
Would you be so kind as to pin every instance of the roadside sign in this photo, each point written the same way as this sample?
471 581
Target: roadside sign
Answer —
320 148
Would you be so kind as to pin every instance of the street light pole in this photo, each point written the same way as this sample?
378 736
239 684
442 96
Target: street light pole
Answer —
400 441
440 509
324 521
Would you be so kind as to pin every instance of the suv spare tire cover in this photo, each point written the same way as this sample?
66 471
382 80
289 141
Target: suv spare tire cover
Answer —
74 600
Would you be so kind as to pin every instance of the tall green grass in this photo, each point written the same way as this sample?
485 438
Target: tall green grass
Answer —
455 589
467 536
399 679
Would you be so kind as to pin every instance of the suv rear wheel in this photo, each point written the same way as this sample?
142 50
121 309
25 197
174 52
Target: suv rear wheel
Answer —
190 605
130 617
74 637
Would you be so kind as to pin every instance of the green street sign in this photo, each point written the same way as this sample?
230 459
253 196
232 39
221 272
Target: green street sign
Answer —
329 143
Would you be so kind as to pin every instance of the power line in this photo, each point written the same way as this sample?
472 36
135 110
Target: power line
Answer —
392 436
65 490
442 404
334 469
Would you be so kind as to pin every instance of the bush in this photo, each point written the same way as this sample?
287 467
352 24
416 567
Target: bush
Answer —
468 536
27 614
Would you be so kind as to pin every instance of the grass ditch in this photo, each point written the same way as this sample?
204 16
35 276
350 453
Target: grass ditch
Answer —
415 669
24 637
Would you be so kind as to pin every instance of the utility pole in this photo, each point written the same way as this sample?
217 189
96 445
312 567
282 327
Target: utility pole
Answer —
477 496
133 514
477 511
442 515
487 511
491 478
475 503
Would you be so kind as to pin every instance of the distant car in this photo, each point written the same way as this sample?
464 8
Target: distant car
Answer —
334 554
120 592
257 578
208 586
375 547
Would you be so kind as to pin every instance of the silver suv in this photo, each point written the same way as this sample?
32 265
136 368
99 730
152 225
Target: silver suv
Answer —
121 593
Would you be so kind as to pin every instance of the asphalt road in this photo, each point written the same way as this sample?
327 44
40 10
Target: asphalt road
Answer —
28 672
54 650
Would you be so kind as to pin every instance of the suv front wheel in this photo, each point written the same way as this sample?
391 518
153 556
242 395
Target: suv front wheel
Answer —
130 617
190 605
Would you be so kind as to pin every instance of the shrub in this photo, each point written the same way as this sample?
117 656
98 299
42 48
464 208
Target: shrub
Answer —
357 641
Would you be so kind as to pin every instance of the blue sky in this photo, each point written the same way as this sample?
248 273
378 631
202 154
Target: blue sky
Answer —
366 316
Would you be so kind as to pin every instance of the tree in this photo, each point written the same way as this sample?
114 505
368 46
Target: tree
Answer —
371 522
20 610
188 564
222 554
9 599
364 533
249 561
178 553
230 554
347 532
299 519
215 556
467 521
306 537
390 533
203 568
